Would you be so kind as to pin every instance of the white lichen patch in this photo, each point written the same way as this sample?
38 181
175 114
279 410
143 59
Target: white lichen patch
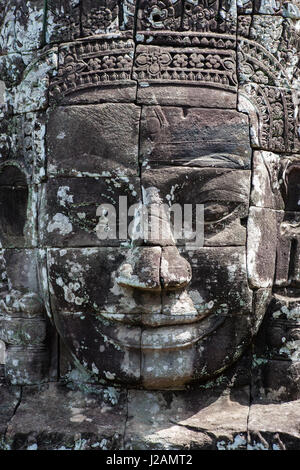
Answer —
63 197
61 223
31 94
2 352
239 442
28 34
109 375
291 349
292 313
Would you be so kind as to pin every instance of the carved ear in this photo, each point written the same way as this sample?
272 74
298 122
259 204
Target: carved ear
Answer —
13 206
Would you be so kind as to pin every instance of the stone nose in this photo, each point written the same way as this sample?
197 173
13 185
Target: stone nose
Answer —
154 263
154 269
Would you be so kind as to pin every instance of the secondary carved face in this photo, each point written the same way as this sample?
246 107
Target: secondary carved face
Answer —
156 314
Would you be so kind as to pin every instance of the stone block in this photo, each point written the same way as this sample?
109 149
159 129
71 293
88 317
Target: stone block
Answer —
102 139
68 419
187 420
194 137
189 69
274 426
261 246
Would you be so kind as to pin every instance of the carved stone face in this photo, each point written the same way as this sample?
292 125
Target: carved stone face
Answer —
155 313
151 102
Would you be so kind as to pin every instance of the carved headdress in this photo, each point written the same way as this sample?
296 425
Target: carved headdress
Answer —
212 53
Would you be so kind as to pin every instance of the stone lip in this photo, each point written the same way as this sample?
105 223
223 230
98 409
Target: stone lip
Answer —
155 319
165 336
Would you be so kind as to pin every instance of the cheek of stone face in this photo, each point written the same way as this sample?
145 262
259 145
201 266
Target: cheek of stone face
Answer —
82 286
70 211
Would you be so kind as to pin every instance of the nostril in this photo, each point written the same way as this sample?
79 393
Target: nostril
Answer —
141 269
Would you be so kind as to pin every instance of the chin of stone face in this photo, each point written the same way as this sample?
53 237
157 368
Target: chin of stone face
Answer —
150 194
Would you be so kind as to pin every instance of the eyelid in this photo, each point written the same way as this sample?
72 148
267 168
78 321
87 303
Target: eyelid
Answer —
229 206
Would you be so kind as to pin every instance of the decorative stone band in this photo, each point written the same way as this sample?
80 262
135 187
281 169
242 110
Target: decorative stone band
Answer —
205 67
258 65
107 61
177 38
272 116
201 66
93 63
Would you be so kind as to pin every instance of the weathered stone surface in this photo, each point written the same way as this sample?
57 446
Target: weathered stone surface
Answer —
261 246
173 75
220 138
21 269
266 181
68 419
187 420
18 209
274 426
287 263
278 132
102 138
114 313
139 99
223 192
275 381
141 269
62 20
183 95
192 16
23 145
275 369
53 417
31 93
99 17
82 211
286 9
22 26
278 40
175 271
9 399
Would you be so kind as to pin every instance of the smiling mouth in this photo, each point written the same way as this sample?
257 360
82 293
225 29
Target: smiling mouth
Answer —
158 331
155 319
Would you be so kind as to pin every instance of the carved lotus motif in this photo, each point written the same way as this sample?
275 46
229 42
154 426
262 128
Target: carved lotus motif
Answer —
157 12
197 60
100 17
153 61
260 77
108 62
201 19
71 68
213 61
180 60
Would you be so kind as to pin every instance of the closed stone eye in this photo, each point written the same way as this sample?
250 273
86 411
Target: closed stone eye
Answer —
215 211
